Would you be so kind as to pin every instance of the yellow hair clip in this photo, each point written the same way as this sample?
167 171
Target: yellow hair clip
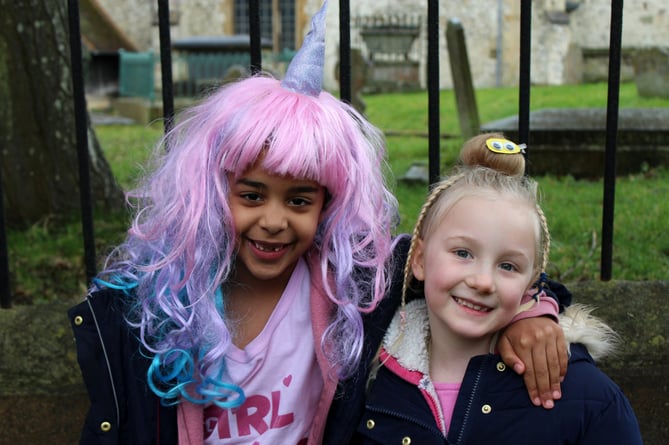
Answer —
504 146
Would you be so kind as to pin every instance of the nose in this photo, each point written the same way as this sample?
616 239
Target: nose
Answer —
274 218
482 280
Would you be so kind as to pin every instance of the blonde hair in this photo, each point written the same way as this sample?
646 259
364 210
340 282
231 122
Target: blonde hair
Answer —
480 171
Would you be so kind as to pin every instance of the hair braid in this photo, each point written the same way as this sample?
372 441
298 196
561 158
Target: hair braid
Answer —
418 228
546 244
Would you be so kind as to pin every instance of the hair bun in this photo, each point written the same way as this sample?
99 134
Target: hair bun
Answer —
476 153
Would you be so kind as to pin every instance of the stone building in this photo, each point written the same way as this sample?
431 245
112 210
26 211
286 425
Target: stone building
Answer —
569 38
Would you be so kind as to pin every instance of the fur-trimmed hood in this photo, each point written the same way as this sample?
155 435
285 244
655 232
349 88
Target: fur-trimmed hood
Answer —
409 347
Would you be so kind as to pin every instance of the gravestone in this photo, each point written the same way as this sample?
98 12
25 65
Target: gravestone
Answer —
571 141
651 72
389 40
463 86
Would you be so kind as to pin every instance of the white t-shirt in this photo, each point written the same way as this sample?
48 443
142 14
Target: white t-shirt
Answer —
279 375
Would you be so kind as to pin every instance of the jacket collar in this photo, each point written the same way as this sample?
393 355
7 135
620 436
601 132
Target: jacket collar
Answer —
408 345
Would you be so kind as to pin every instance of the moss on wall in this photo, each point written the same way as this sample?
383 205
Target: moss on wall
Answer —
42 395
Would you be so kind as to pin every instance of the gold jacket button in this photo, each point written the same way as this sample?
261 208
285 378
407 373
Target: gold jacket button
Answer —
486 409
78 320
105 427
370 424
406 440
501 367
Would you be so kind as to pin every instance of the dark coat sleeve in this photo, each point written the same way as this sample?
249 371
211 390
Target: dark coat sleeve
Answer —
123 409
609 417
559 293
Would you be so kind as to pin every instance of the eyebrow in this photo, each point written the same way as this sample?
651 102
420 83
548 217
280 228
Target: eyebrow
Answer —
263 186
248 182
513 253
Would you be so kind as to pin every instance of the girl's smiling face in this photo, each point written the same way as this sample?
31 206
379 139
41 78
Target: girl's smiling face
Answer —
276 219
476 264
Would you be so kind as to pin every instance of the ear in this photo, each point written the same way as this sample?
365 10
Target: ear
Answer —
417 260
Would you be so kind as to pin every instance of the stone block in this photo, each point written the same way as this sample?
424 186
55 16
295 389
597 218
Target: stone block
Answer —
43 398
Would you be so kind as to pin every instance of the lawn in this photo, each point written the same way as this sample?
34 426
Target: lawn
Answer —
46 262
573 207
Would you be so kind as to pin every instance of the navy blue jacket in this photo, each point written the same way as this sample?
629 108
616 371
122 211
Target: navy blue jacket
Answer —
123 409
493 408
348 406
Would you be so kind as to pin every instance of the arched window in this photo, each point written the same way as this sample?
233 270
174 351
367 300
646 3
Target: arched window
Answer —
286 33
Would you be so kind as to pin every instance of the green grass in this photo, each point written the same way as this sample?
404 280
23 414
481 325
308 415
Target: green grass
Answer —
126 148
573 208
46 261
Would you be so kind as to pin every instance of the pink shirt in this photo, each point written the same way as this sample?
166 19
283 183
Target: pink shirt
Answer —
448 395
279 375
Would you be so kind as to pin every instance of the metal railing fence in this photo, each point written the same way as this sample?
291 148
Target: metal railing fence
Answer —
255 57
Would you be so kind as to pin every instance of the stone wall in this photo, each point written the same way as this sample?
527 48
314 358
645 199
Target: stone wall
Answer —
42 398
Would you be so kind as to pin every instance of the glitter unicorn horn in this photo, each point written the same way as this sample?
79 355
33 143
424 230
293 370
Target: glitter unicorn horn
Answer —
305 72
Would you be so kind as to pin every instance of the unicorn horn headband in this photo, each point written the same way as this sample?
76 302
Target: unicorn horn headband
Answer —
305 72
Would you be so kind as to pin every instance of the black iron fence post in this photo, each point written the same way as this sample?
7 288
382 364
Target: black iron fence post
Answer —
434 161
611 138
166 63
81 129
345 92
524 77
255 37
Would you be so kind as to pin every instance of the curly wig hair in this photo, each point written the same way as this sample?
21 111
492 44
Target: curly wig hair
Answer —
180 249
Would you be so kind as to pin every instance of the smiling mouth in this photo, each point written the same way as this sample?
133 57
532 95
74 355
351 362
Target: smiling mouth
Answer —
470 305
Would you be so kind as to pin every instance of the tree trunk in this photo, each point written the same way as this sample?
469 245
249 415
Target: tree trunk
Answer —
37 130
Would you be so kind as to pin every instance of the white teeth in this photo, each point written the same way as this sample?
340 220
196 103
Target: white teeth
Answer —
267 249
471 305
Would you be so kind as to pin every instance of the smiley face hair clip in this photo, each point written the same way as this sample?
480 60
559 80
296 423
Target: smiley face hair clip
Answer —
504 146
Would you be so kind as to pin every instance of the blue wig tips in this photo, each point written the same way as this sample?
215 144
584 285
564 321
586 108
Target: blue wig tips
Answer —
305 72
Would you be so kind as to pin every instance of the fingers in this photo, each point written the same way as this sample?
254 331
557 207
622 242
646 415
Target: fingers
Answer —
536 345
509 356
563 357
542 374
550 365
531 382
516 352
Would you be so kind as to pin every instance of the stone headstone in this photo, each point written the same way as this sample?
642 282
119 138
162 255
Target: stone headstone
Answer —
572 141
651 72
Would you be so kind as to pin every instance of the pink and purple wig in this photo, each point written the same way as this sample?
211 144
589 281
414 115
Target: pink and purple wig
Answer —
181 246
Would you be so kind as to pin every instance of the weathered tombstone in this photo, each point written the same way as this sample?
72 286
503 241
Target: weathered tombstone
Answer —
359 72
389 39
571 141
651 72
465 98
